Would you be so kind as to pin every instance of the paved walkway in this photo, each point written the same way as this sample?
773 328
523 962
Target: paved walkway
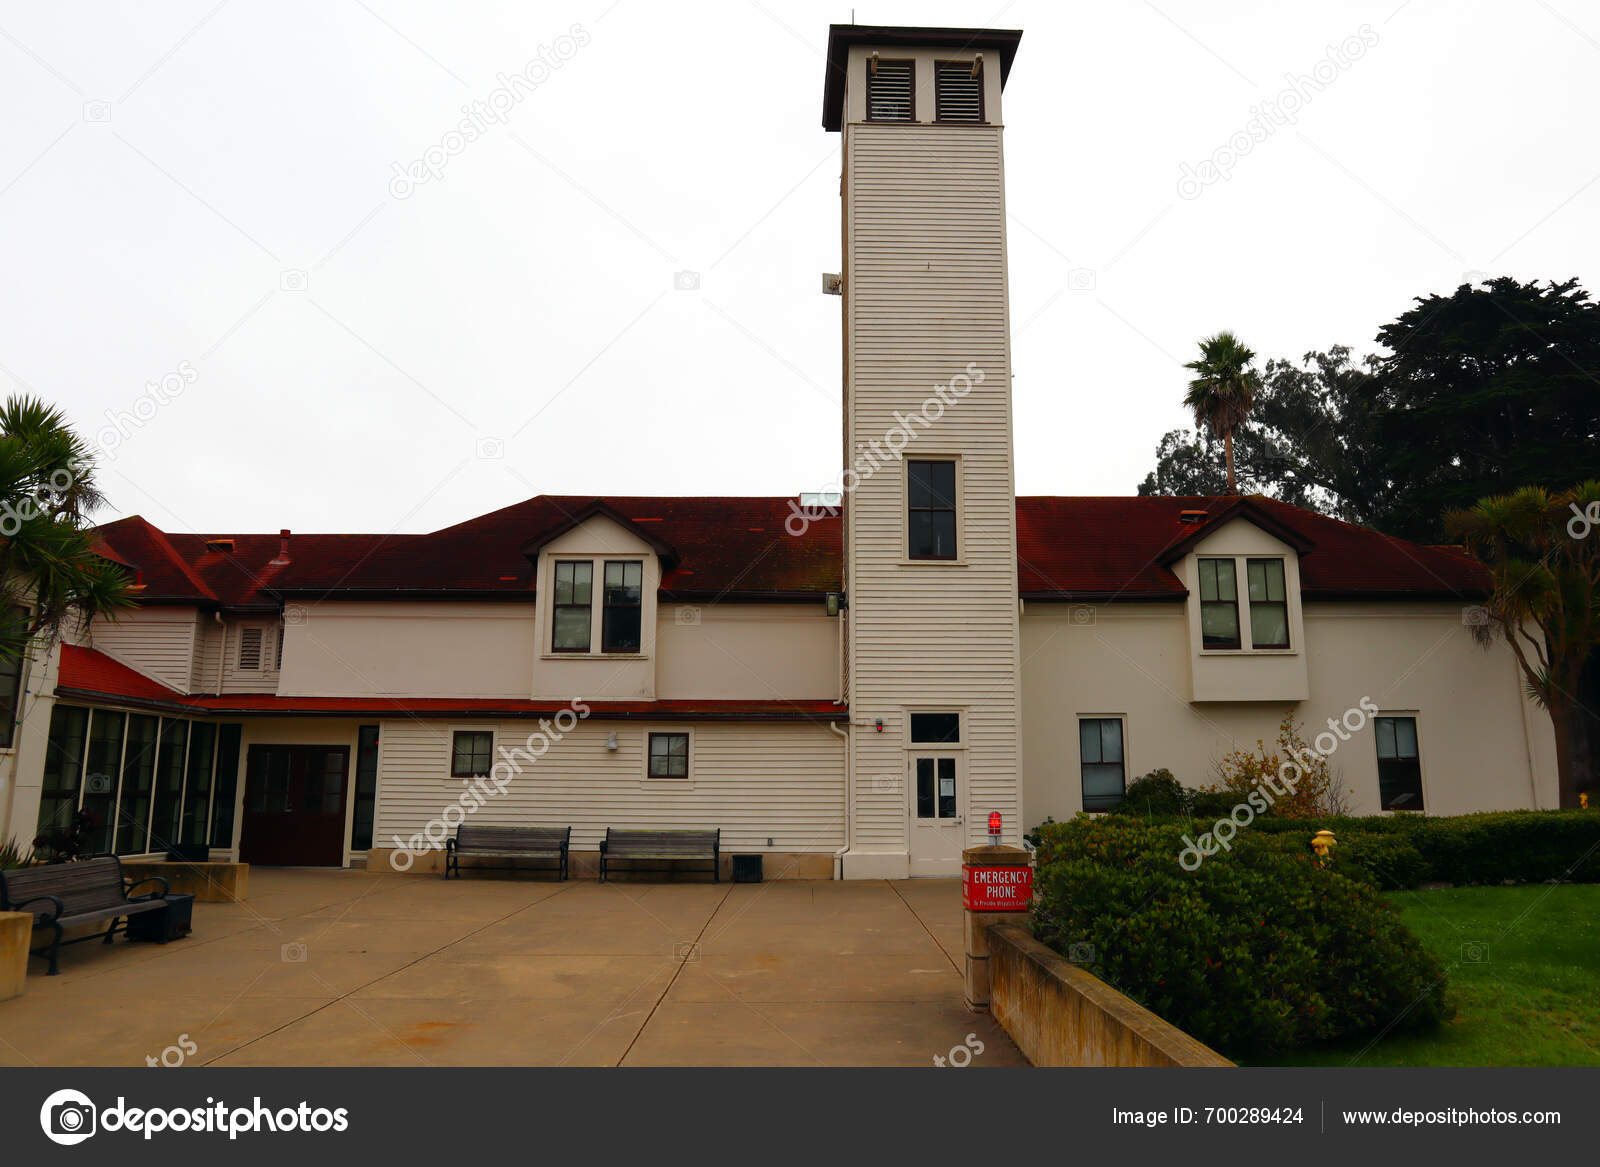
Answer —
329 967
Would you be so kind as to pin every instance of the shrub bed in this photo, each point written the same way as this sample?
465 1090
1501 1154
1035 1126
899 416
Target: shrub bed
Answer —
1258 950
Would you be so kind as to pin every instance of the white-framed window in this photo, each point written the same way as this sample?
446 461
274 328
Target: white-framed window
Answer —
1266 592
933 509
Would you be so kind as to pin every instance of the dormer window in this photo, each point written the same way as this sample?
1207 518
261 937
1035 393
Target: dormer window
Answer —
958 91
574 588
1269 604
1219 604
621 622
891 88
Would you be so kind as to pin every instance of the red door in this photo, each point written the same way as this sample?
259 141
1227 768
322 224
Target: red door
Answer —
294 800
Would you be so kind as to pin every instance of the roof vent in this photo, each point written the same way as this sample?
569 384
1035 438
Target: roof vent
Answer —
1191 516
219 544
283 549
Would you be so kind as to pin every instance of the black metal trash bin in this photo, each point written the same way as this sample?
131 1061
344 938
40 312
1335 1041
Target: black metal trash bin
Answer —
747 869
172 924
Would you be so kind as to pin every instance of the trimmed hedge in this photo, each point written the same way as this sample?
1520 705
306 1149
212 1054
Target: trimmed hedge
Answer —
1258 950
1396 852
1525 846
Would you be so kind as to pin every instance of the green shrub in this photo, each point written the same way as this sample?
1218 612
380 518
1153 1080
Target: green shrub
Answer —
12 855
1526 846
1257 950
1157 794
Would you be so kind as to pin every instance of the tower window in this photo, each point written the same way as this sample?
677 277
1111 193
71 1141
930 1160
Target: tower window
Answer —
958 91
931 510
891 86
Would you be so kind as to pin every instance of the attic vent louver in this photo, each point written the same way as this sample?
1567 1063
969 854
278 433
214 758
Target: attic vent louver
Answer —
958 91
219 544
1191 516
250 649
889 87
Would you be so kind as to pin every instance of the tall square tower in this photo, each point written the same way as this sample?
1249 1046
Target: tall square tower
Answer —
932 656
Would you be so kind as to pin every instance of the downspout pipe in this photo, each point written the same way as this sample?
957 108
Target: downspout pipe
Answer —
849 801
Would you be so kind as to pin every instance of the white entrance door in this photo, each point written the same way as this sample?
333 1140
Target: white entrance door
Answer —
938 807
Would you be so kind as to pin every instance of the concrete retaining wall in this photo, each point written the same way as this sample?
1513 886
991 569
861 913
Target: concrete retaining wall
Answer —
1060 1015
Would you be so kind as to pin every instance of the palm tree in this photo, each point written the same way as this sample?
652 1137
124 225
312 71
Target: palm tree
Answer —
1223 390
49 571
1542 549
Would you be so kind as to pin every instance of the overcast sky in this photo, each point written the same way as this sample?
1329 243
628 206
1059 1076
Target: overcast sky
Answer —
203 197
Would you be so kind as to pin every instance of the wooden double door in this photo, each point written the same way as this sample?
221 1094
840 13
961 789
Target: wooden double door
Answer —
294 806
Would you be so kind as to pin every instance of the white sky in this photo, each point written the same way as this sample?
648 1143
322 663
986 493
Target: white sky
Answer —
245 142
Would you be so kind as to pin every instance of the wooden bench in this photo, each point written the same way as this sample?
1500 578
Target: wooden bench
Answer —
692 846
477 842
65 895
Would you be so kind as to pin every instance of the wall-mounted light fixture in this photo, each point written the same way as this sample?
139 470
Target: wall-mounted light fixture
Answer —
611 743
836 601
977 66
872 64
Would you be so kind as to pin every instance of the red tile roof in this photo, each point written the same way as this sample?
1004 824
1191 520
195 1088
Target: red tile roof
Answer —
87 673
740 548
1118 548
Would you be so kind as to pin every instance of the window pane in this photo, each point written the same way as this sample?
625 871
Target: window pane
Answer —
169 783
1227 586
1385 732
366 788
138 776
63 767
1219 625
100 778
1256 577
572 629
620 630
942 483
227 785
1208 580
1269 625
197 783
623 581
943 531
936 727
1110 740
947 788
925 801
563 583
1088 741
669 755
920 541
1405 737
1102 786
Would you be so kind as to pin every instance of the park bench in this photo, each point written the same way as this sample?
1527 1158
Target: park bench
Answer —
692 846
65 895
477 842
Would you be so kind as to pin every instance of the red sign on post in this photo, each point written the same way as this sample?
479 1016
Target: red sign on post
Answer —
996 889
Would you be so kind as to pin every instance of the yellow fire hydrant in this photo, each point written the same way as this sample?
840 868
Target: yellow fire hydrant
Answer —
1323 844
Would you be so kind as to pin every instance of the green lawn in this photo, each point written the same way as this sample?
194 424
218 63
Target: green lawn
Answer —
1524 969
